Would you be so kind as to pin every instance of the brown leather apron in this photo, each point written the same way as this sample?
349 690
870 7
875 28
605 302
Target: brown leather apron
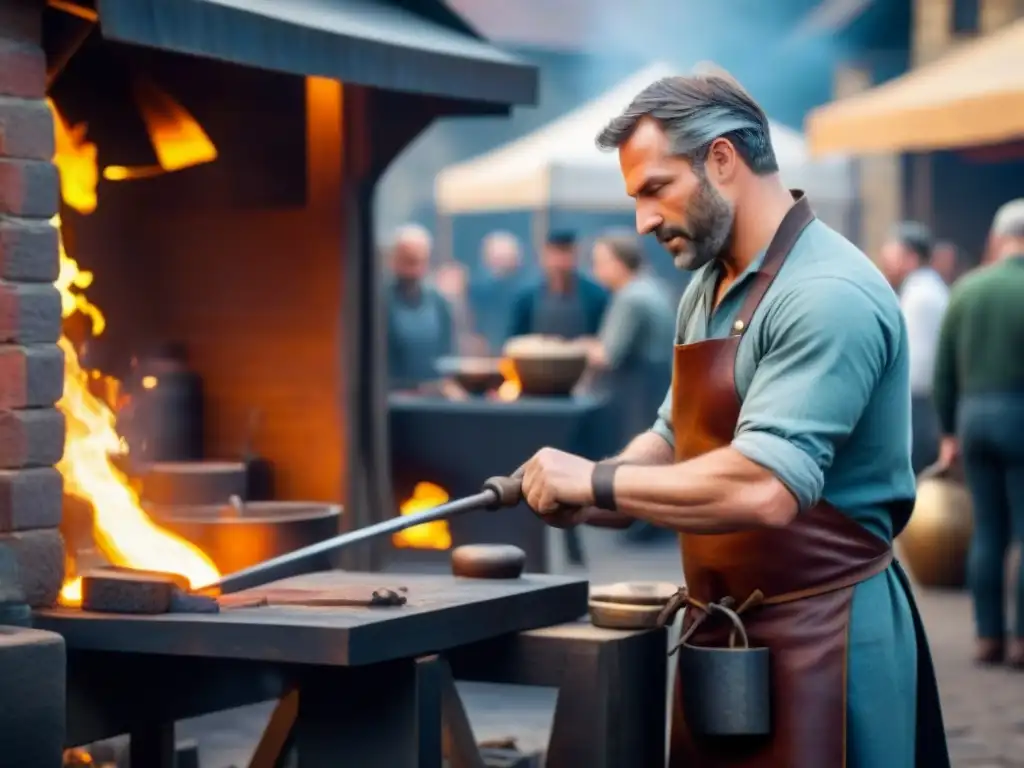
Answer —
794 586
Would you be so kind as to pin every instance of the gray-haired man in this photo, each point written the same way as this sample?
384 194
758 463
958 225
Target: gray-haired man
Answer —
781 454
979 395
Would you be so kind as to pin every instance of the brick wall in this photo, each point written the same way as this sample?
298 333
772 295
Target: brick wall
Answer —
31 365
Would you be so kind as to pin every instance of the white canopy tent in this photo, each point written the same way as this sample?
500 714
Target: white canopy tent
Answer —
559 166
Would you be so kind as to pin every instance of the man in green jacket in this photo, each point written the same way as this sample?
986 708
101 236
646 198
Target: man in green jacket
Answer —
979 395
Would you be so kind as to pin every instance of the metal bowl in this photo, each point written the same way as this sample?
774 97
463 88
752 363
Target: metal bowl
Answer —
549 376
546 365
236 536
476 375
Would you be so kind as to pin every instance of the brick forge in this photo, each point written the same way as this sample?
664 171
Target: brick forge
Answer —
31 364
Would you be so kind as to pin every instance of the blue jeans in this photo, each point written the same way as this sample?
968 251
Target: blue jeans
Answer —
991 436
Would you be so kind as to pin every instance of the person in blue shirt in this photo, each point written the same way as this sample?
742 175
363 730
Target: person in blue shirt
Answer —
419 318
563 302
781 454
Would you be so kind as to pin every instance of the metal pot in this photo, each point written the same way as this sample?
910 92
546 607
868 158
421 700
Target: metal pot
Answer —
239 535
165 419
935 543
476 375
546 366
549 376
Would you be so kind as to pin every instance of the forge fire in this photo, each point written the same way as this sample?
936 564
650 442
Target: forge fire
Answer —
123 532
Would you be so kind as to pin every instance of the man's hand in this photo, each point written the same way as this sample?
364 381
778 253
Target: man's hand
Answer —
554 480
949 452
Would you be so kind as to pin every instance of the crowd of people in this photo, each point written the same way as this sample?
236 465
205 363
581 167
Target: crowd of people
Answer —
965 334
617 309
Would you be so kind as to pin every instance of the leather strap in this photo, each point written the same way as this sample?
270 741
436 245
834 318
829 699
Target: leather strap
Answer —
602 483
789 231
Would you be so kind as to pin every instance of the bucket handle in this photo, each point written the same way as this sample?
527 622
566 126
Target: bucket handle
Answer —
724 606
737 623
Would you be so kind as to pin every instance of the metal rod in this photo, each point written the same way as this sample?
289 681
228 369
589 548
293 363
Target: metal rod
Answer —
291 563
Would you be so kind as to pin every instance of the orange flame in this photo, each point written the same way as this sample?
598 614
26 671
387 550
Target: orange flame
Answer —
177 138
122 530
75 158
433 535
510 389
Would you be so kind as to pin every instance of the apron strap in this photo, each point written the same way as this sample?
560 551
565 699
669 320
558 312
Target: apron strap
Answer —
786 236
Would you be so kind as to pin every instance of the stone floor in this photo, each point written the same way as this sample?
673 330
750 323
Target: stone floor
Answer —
984 708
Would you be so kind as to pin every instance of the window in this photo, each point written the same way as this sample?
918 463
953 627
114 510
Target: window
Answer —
965 17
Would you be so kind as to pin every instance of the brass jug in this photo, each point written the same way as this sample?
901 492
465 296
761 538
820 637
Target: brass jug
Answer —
935 543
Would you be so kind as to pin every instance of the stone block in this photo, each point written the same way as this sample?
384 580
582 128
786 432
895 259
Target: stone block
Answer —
40 558
26 128
33 667
30 377
22 21
30 313
30 498
31 438
29 187
22 67
28 250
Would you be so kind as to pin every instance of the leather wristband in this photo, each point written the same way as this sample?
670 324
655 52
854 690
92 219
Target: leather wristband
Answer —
602 484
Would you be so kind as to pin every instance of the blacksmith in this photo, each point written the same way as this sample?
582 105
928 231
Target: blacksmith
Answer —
782 454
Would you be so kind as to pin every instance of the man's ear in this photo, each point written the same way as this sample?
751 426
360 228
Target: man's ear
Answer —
723 160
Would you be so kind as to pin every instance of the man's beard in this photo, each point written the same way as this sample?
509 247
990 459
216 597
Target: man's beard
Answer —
710 220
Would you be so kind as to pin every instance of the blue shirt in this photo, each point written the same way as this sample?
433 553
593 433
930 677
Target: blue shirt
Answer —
419 332
591 300
638 326
823 372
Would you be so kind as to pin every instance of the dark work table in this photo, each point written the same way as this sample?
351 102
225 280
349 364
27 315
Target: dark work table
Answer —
361 674
442 612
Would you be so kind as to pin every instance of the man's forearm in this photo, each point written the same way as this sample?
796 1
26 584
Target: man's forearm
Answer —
647 448
718 492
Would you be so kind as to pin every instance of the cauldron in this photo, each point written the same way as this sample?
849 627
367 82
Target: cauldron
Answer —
935 542
238 535
476 375
546 366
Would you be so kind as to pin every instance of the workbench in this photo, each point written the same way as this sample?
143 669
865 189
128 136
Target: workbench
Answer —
365 683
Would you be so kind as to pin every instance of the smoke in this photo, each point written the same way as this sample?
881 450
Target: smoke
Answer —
739 35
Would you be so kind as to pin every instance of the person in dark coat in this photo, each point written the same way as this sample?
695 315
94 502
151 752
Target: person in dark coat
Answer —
563 302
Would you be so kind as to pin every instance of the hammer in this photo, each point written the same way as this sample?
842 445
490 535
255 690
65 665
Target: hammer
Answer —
497 493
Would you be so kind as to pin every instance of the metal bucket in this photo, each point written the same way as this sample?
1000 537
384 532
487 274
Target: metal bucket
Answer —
725 691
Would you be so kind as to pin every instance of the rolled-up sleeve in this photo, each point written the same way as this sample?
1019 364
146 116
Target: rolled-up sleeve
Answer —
825 345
